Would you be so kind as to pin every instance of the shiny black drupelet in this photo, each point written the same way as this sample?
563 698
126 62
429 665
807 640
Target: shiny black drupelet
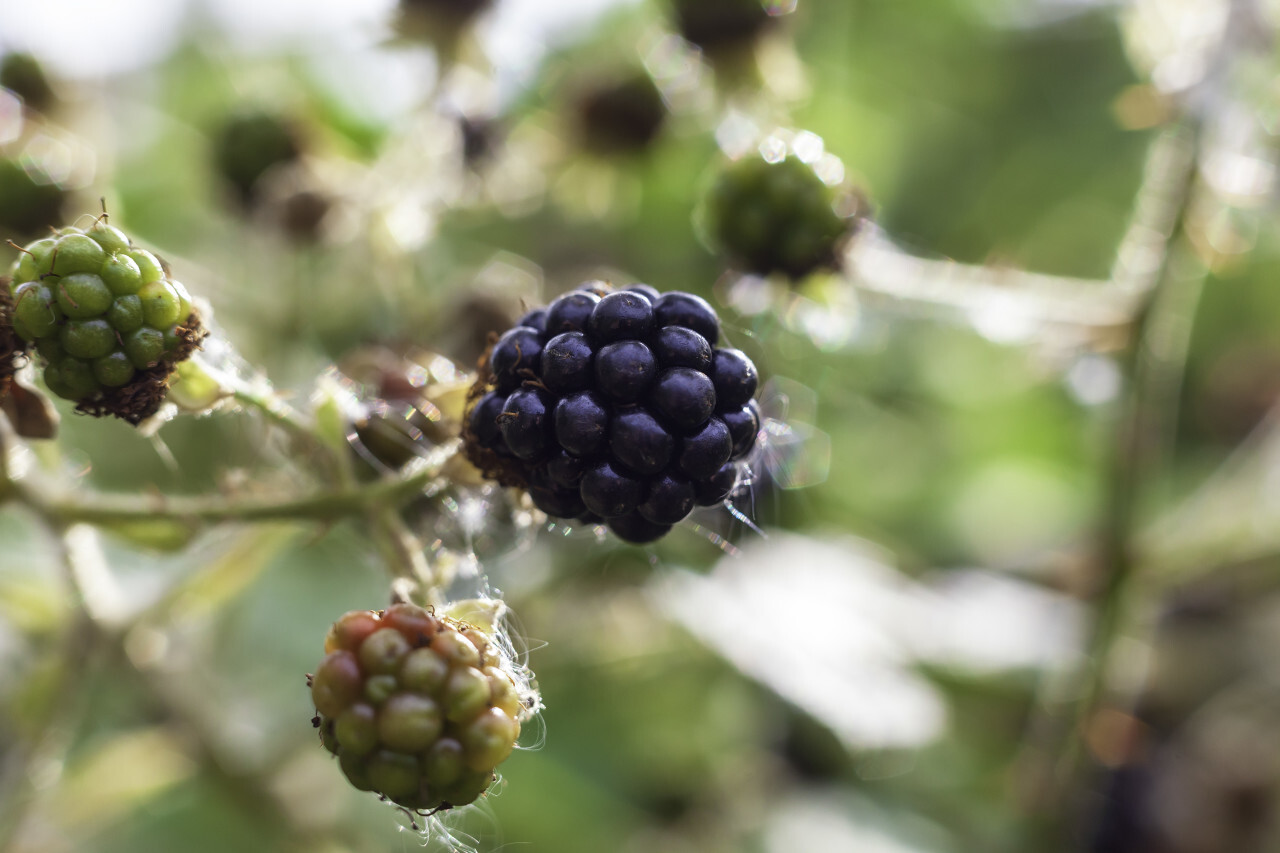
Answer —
616 406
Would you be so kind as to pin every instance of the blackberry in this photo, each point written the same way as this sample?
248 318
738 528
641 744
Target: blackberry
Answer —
12 348
441 23
570 312
721 25
248 145
623 315
481 137
702 453
768 216
30 201
670 499
635 528
647 291
515 356
610 493
639 443
624 370
107 321
685 397
22 74
582 423
615 406
525 422
743 426
567 363
718 486
677 346
687 311
418 708
535 319
463 10
622 117
734 377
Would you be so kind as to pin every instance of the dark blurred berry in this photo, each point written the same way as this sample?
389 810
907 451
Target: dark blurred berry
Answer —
30 203
23 75
768 217
248 145
623 117
716 25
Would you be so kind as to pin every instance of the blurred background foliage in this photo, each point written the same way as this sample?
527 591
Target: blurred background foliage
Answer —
896 666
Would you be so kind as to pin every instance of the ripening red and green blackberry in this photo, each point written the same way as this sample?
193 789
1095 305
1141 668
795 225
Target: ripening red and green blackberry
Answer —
616 405
418 708
107 322
774 217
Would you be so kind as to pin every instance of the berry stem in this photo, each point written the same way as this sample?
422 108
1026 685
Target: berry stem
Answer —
279 413
404 556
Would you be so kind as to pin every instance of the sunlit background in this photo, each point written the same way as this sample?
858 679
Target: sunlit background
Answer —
1005 578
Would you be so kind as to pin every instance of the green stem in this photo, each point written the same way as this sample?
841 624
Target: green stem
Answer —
1153 368
57 708
96 639
102 509
278 413
404 556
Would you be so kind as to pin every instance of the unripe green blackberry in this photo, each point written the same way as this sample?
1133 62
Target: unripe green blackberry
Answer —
775 214
106 320
417 707
12 348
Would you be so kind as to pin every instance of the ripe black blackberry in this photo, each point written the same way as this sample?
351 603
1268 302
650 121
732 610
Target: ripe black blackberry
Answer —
615 405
